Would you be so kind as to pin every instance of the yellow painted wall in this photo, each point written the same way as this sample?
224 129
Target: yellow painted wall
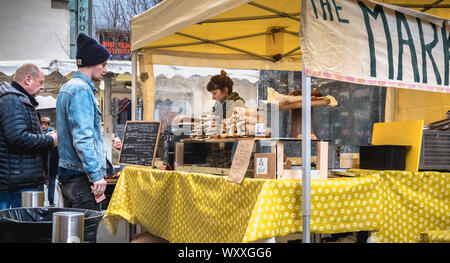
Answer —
405 105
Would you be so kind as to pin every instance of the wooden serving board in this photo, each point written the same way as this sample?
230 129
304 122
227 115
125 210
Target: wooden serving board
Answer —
298 104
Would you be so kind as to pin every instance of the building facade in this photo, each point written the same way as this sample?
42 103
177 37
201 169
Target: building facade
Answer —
34 29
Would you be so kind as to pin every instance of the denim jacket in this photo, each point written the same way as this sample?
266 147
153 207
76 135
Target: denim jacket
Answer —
78 121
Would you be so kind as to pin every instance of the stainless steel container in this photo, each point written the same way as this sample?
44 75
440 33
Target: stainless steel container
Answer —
33 199
68 227
434 153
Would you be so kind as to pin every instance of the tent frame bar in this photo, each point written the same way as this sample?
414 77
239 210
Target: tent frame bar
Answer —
225 46
429 6
246 18
276 57
203 42
226 39
217 42
274 11
432 5
290 32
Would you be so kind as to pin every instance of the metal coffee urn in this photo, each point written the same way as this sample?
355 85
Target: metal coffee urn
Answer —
68 227
33 199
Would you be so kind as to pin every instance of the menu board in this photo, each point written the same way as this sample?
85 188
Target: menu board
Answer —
140 142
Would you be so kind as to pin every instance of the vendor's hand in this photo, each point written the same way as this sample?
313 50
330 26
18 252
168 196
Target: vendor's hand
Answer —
177 120
99 187
180 119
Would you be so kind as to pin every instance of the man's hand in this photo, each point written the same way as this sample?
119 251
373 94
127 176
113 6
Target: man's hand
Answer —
99 187
55 138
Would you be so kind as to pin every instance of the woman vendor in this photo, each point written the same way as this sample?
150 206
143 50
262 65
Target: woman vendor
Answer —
221 88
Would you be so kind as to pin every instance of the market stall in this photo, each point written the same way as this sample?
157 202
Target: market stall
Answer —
263 35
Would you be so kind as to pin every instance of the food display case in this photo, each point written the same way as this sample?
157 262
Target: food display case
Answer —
268 160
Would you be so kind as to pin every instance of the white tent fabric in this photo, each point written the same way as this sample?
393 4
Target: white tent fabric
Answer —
64 67
46 102
173 16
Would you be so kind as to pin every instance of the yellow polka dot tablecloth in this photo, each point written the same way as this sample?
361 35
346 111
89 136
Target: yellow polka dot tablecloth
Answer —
435 237
181 206
193 207
337 206
412 203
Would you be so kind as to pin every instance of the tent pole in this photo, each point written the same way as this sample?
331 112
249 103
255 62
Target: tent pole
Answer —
306 154
133 84
107 116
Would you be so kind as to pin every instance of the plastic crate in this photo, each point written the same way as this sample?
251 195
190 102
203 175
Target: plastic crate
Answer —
383 157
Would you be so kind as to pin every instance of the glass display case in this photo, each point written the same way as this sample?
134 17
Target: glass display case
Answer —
269 160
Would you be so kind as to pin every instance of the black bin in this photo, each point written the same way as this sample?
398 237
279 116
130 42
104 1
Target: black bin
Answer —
34 224
383 157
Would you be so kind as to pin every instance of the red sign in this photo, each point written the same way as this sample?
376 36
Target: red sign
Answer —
117 44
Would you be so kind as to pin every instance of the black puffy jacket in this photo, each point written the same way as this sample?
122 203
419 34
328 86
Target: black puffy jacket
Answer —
22 143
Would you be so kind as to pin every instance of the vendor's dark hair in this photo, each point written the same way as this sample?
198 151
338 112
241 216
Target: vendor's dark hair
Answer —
221 82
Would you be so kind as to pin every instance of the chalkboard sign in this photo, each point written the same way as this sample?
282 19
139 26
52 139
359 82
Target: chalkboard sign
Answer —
120 128
140 141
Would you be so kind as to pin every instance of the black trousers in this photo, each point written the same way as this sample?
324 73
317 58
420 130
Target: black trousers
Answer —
77 192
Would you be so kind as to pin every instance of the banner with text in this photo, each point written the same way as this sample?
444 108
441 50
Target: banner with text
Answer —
371 43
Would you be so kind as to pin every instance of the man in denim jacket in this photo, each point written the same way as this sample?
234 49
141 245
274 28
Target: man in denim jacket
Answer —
82 154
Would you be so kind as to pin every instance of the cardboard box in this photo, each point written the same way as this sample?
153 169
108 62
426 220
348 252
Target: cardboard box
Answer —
349 160
264 165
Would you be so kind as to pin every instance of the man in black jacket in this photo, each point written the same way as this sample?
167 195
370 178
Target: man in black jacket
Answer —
23 146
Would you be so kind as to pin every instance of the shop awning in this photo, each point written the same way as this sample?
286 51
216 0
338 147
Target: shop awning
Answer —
64 67
57 72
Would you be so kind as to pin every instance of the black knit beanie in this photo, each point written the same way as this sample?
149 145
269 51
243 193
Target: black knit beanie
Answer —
90 52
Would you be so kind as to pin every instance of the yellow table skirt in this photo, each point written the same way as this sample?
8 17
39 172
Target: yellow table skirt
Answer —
194 207
435 237
412 203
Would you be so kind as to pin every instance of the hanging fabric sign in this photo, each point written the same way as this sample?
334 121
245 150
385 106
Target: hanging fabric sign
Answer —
371 43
